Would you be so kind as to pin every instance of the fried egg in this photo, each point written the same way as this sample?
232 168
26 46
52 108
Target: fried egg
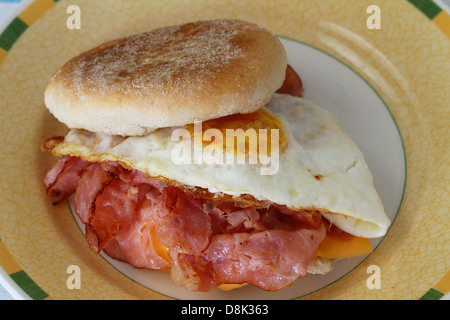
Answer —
309 161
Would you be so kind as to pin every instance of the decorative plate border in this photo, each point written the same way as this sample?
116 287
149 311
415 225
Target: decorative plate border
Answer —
31 11
435 13
9 265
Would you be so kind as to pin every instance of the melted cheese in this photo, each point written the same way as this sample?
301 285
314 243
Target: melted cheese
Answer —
230 286
160 249
334 248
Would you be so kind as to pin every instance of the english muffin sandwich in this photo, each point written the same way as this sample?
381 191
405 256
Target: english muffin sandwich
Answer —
191 151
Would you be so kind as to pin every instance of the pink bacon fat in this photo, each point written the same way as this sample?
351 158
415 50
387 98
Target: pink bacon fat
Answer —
208 242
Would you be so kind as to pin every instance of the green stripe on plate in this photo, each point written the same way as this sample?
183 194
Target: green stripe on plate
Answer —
28 285
12 32
427 7
432 294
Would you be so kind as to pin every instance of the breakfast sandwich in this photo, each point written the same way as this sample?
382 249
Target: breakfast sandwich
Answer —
192 151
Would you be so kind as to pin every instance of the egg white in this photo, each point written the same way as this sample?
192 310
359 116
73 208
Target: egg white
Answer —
320 168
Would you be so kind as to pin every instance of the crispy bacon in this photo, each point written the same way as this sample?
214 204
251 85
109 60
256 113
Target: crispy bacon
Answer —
209 242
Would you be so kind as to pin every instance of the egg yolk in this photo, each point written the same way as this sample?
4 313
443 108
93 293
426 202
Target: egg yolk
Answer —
250 133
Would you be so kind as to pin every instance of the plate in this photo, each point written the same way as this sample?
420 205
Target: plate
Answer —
388 86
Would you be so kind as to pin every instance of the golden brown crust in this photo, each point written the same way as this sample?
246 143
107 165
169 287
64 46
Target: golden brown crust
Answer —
52 142
168 77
